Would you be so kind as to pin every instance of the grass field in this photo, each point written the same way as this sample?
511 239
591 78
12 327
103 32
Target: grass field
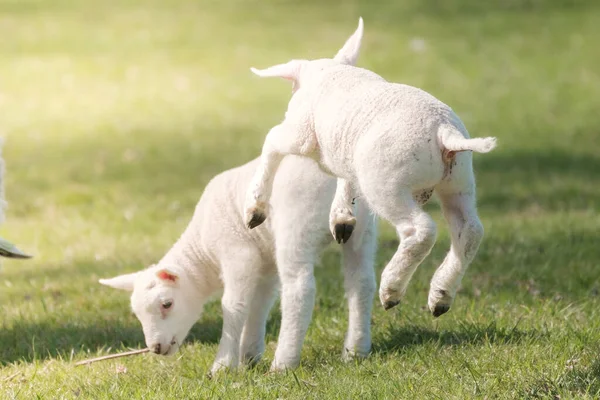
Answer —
117 113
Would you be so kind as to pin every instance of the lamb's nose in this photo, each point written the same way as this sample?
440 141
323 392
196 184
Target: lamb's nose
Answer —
156 348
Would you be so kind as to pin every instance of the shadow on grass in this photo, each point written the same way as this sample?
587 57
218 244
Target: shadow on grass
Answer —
397 339
575 381
529 265
35 341
61 334
70 312
553 179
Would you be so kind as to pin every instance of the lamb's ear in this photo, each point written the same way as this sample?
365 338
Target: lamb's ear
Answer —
289 71
167 276
349 53
123 282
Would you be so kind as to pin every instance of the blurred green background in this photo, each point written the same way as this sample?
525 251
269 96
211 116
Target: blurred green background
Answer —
115 115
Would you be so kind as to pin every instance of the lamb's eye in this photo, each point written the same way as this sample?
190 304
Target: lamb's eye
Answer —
167 304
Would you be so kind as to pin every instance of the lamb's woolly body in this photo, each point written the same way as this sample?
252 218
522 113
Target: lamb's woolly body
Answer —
218 254
353 110
390 144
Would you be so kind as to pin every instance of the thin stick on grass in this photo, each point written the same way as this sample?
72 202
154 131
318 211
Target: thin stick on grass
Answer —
8 378
108 357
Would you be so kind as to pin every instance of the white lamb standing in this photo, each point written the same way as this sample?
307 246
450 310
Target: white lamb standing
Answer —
390 144
218 252
7 249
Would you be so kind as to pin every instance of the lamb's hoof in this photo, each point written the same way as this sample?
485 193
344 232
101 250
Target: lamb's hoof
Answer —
351 355
390 304
256 218
219 369
255 214
277 366
440 310
389 297
252 359
343 232
439 302
341 224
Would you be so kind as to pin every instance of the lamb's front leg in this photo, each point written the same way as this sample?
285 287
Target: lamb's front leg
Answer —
253 336
298 290
341 215
240 281
235 312
282 139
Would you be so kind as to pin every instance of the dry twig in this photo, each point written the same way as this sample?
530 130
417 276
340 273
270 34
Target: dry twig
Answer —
8 378
118 355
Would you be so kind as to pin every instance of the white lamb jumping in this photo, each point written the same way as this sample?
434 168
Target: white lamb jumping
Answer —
392 145
7 249
218 252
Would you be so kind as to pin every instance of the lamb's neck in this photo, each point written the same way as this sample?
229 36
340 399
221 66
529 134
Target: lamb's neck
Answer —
186 255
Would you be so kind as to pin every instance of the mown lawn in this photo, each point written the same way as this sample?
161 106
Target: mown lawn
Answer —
116 114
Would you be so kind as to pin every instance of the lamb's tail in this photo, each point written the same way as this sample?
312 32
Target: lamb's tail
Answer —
452 139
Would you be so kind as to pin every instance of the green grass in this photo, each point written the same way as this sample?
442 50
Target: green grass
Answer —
117 113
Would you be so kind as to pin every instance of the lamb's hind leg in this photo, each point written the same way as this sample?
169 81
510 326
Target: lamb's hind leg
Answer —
417 233
466 233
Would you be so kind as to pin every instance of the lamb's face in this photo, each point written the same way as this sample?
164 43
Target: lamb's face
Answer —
160 303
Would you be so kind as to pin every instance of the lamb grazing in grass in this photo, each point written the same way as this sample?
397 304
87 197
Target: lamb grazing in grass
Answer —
391 144
216 251
7 249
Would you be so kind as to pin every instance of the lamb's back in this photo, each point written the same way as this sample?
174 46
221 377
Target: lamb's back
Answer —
301 197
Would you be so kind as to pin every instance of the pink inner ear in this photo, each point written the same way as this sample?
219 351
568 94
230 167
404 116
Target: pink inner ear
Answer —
165 276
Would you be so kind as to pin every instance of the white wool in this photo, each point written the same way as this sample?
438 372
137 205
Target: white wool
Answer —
390 144
218 254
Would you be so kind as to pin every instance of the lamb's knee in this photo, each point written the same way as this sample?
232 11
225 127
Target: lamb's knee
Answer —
297 280
425 232
299 287
363 283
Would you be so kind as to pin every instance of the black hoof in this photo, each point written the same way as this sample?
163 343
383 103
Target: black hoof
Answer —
390 304
9 254
439 310
343 232
256 220
252 360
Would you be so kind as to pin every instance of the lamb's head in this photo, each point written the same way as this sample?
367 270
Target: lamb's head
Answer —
298 70
164 300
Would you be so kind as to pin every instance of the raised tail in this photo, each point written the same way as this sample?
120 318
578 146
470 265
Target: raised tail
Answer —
453 140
